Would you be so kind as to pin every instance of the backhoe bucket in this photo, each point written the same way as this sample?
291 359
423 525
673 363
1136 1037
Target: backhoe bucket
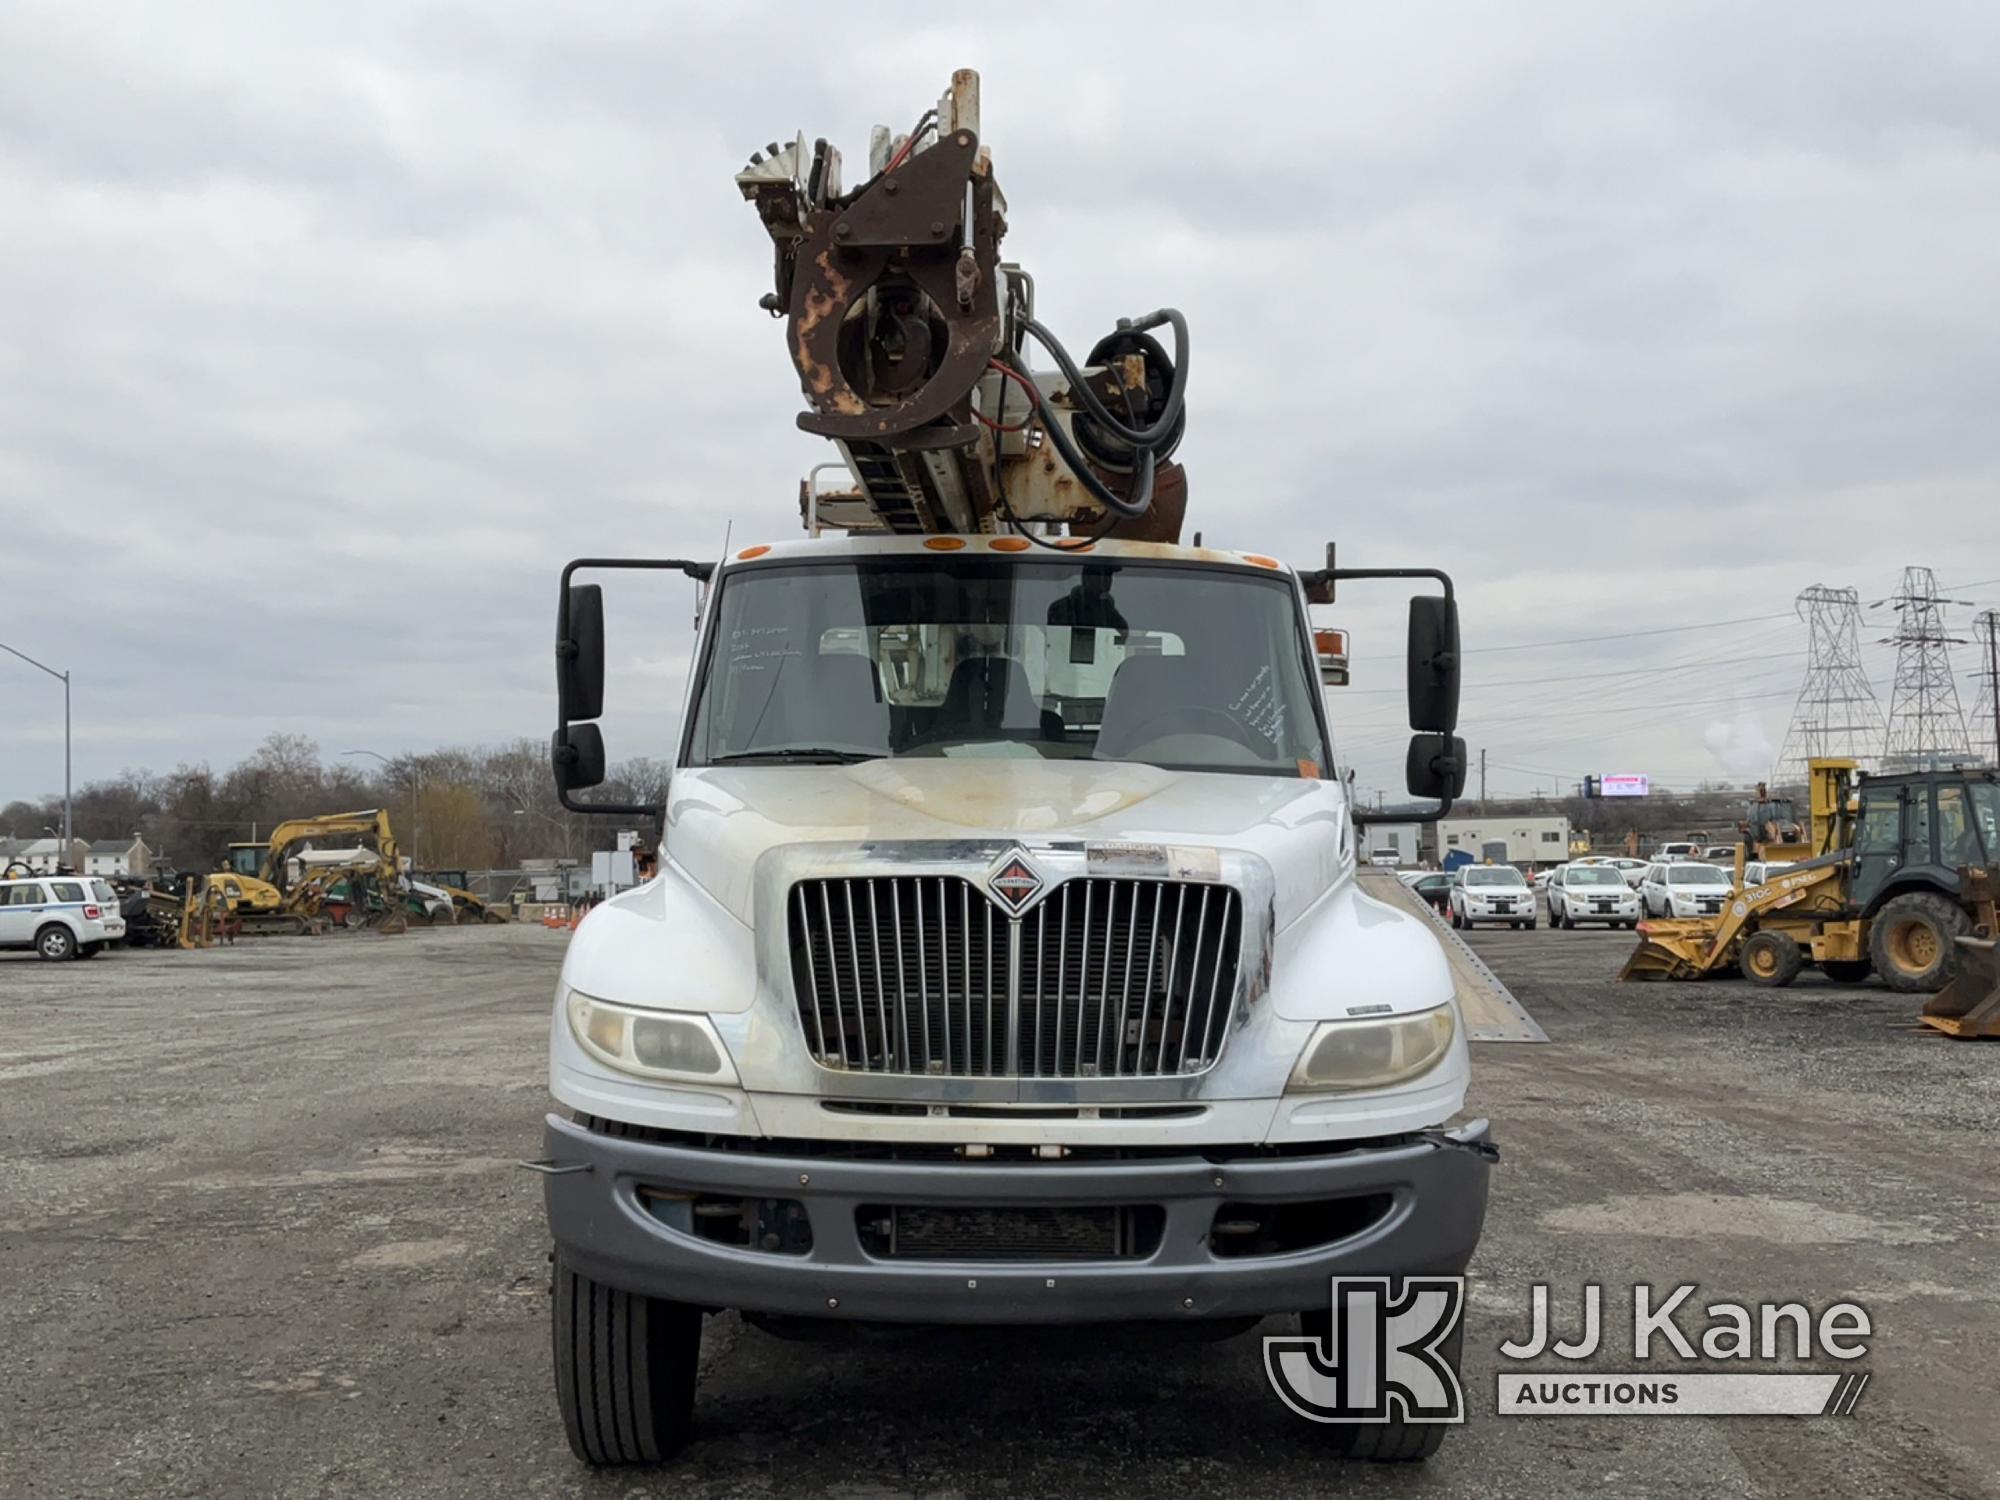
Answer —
1671 950
1969 1006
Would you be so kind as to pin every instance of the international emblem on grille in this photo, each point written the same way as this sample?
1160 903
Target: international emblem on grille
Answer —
1014 882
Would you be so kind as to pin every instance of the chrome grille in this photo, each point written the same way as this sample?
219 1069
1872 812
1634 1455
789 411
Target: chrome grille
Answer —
1104 978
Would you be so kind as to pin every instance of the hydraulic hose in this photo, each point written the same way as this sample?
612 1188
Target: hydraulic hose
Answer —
1141 498
1139 437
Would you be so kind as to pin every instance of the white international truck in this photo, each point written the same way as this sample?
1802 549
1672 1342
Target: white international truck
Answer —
1006 961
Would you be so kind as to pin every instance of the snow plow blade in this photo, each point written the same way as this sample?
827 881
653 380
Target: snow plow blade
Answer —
1683 948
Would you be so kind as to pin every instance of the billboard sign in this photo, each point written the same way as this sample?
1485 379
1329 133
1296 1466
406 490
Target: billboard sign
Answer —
1625 786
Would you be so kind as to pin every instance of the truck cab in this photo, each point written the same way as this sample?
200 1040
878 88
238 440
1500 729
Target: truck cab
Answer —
1005 964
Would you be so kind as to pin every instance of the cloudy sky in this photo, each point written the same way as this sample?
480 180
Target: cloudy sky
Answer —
330 333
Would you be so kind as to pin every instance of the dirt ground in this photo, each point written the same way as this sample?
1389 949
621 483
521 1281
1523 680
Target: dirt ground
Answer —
262 1234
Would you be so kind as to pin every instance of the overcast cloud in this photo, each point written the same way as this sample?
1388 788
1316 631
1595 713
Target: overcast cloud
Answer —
332 332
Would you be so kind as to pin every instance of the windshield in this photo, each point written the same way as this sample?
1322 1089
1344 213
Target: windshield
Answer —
102 890
1188 668
1494 875
1698 875
1593 875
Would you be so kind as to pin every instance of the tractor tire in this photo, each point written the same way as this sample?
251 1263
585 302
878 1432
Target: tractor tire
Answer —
625 1370
1772 959
1391 1442
55 942
1910 941
1848 970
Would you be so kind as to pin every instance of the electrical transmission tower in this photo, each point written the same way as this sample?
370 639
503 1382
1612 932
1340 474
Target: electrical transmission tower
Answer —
1926 725
1838 713
1985 724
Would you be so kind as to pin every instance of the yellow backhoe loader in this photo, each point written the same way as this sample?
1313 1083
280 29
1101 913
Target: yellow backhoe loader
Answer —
1894 884
270 897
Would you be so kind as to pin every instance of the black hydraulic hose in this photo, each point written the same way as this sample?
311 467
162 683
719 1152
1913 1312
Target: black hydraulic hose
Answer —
1138 437
1141 499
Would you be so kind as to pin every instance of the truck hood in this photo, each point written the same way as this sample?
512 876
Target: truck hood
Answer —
720 820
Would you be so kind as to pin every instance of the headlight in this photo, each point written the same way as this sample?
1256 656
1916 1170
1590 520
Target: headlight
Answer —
650 1043
1347 1055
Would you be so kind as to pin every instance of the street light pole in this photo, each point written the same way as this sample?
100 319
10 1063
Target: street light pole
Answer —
69 825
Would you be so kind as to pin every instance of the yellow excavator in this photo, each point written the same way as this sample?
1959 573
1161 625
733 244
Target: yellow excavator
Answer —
1894 882
266 897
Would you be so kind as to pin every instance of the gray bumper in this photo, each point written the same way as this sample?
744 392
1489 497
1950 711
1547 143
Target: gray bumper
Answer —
1437 1185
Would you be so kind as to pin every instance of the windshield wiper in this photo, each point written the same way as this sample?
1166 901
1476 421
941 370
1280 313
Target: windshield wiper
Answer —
796 755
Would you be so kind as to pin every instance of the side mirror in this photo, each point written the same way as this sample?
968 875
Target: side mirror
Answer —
580 654
1436 766
1434 667
576 751
577 754
1330 647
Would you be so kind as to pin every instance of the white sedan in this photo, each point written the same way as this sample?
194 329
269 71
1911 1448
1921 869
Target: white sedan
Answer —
1592 893
1492 894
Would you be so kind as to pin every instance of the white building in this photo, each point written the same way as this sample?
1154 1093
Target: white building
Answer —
126 856
43 856
1507 839
1379 841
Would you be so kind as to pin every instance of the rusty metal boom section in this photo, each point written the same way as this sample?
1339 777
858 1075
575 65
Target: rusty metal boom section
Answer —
909 334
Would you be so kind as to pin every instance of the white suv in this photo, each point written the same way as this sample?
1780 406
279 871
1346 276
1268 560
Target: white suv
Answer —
1685 888
60 916
1492 893
1592 893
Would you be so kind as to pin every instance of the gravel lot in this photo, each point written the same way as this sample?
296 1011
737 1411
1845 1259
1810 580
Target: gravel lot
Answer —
262 1235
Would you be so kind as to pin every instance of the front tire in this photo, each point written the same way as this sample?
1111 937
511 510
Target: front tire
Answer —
1772 959
625 1370
1393 1442
55 943
1910 941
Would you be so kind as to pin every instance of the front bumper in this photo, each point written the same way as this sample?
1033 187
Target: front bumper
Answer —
1436 1184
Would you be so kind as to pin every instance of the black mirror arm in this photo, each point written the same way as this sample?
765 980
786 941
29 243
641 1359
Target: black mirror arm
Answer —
1413 814
700 572
1320 578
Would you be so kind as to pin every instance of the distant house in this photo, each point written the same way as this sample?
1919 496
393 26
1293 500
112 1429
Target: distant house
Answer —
126 856
43 856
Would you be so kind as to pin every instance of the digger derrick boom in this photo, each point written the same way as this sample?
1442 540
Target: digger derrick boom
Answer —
909 336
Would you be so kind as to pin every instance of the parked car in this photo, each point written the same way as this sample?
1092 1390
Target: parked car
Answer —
1758 871
1684 888
1631 869
1592 893
1666 853
60 916
1492 894
1545 878
1720 854
1434 886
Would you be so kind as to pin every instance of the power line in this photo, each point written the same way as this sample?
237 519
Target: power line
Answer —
1629 635
1593 712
